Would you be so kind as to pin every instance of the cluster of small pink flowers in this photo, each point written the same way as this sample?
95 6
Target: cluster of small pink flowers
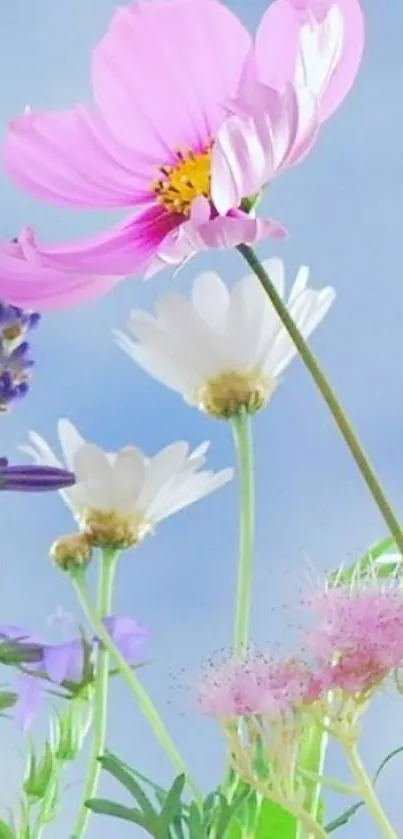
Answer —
258 686
359 638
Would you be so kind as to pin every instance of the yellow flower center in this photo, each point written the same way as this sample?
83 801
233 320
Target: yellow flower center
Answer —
230 392
110 529
188 178
13 331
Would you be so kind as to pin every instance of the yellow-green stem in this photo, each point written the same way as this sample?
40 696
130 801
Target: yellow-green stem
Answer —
242 428
100 701
329 397
368 793
140 694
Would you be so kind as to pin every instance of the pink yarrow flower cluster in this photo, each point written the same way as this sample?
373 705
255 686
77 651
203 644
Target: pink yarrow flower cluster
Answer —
192 120
258 686
359 637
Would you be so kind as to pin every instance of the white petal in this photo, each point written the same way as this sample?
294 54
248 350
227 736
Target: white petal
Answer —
197 487
94 473
160 470
274 268
245 323
197 340
210 299
300 283
41 451
169 369
128 478
70 439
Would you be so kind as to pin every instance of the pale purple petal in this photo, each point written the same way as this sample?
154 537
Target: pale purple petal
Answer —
163 70
31 697
128 635
64 661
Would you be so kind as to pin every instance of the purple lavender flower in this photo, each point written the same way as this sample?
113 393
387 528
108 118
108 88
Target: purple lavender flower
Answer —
32 478
69 664
15 361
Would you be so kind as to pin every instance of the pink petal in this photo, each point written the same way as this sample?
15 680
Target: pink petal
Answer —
31 284
221 232
277 44
269 131
71 157
122 249
162 71
238 164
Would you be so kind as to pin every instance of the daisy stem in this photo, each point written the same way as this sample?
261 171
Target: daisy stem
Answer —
242 430
329 396
140 694
368 793
104 608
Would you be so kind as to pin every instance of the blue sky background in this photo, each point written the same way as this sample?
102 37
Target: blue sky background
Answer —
343 208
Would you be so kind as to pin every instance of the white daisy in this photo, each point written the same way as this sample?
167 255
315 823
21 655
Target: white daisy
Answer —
119 498
225 349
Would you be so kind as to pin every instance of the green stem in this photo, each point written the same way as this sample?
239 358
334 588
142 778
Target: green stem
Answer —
329 396
139 692
368 793
242 429
104 608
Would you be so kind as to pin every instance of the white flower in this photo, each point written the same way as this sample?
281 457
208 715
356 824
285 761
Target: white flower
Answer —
224 349
119 498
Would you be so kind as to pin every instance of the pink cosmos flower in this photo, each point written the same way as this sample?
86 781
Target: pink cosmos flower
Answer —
192 120
359 637
257 686
28 280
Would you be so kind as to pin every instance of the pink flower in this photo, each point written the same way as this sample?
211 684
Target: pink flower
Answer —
257 686
27 280
359 637
188 126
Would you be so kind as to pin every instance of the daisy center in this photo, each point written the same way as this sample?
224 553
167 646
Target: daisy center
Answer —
183 181
106 528
230 392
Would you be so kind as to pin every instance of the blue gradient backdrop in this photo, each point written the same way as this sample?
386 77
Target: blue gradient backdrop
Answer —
343 208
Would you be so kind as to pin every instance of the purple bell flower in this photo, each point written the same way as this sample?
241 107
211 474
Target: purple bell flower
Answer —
66 664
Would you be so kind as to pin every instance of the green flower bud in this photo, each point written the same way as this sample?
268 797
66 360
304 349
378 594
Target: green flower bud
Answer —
39 774
69 729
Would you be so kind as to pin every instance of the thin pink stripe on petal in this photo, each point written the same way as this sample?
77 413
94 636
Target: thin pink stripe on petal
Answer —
71 157
162 71
121 250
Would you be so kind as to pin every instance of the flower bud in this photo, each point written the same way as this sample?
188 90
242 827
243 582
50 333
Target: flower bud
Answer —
40 774
69 729
71 552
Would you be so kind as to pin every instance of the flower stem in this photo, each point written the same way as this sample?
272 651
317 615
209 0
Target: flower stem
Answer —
368 793
242 429
104 607
139 692
329 396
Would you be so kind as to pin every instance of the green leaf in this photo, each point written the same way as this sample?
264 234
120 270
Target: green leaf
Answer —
274 821
364 563
114 767
5 831
195 822
118 811
173 804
